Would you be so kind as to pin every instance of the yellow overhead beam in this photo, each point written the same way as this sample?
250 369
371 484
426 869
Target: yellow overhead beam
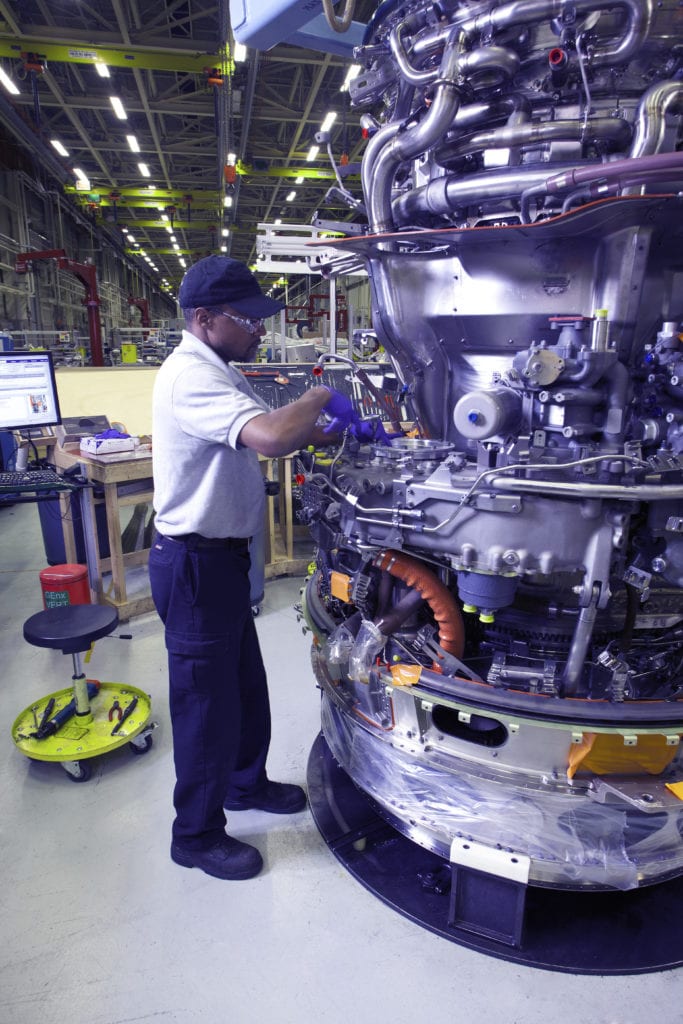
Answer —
144 57
201 223
307 172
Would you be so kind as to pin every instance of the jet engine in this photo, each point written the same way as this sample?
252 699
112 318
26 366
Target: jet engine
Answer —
497 601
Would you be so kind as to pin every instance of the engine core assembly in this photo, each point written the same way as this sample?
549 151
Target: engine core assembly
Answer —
497 602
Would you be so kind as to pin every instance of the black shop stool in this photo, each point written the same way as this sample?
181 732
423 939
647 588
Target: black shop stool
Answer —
89 718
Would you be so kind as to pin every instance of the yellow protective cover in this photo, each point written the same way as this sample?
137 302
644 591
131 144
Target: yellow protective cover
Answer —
606 754
405 675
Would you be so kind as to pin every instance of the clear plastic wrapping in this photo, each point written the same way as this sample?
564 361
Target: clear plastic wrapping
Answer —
573 842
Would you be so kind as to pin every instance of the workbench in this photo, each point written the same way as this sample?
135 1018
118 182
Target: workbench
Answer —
125 482
128 481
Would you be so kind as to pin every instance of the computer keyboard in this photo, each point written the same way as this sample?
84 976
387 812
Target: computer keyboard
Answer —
31 480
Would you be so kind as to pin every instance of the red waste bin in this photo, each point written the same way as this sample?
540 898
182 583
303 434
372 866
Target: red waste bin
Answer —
65 584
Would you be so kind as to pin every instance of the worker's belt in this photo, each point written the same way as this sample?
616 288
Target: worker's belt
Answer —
195 541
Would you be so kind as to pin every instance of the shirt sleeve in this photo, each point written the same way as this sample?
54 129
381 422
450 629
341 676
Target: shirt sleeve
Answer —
209 405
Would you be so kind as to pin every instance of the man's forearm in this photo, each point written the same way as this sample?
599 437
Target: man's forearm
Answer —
287 429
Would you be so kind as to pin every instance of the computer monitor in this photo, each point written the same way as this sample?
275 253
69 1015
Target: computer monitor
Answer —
28 391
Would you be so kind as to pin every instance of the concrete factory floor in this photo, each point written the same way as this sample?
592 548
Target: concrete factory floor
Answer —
101 927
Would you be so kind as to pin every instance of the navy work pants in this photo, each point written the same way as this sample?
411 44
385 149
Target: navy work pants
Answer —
220 712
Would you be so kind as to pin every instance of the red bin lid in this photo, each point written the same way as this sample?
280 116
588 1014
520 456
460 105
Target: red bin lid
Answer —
63 573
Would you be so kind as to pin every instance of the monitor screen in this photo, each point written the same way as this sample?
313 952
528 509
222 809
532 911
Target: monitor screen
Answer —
28 391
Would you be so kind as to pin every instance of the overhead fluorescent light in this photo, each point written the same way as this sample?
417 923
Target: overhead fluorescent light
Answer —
173 238
290 197
312 154
8 83
182 262
176 247
330 118
224 248
278 220
169 229
144 170
352 73
101 69
227 202
133 143
59 147
232 158
83 182
225 232
131 239
118 108
151 188
299 180
239 52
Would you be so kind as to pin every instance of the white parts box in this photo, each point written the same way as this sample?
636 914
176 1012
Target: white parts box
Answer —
108 445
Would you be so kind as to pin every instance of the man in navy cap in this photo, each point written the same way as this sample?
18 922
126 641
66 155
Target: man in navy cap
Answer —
208 428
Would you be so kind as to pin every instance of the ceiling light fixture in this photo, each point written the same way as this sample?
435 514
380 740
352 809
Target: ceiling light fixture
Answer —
299 180
133 143
231 158
144 170
290 197
224 248
169 229
352 73
59 147
225 232
239 52
8 83
118 108
330 118
83 181
101 69
312 154
227 202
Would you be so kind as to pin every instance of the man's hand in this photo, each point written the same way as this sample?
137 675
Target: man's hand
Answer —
369 430
340 410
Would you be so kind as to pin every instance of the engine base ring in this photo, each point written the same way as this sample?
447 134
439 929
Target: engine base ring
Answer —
614 933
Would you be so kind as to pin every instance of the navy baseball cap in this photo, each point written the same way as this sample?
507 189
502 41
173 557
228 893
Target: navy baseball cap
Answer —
220 280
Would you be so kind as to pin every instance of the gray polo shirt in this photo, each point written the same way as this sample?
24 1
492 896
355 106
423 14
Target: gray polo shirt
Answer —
204 480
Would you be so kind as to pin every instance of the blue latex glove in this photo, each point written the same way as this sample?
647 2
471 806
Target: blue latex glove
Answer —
369 430
340 410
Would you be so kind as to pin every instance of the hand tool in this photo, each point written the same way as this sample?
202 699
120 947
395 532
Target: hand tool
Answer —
127 712
115 709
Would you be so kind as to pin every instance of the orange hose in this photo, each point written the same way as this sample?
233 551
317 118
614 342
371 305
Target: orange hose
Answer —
439 598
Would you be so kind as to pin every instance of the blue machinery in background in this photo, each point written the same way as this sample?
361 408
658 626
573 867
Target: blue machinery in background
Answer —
263 24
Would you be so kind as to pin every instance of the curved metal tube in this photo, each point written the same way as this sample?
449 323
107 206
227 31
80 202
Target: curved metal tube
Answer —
603 129
525 12
650 131
439 118
400 55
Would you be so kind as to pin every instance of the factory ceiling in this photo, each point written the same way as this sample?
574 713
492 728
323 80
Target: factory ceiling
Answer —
223 143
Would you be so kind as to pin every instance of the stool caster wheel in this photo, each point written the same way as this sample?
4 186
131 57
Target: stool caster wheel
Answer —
141 745
78 771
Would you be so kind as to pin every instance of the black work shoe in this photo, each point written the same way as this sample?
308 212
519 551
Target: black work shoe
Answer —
228 858
274 797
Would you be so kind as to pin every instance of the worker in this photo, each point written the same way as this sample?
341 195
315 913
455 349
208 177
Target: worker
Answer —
208 429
